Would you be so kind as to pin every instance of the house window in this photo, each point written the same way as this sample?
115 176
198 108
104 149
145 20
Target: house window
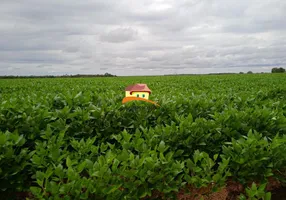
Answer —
143 95
137 95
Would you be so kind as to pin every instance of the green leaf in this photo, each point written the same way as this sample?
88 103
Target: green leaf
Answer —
35 190
124 156
197 169
40 176
215 157
81 166
216 177
2 139
126 136
161 147
64 189
262 187
268 196
20 141
71 173
253 187
179 152
115 165
49 172
54 187
143 192
36 160
188 178
112 189
78 95
190 118
59 171
68 162
89 163
242 197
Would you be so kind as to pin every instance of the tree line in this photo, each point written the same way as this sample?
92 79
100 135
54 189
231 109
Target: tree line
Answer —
273 70
278 70
59 76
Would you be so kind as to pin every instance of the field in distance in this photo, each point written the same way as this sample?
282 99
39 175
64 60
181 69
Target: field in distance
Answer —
213 136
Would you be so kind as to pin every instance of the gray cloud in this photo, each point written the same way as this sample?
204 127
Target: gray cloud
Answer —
103 68
119 35
127 37
41 66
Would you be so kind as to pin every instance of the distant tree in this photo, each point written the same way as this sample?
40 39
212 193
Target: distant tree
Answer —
60 76
278 70
108 75
241 73
250 72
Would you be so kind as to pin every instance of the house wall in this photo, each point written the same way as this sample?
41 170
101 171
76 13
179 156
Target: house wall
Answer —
134 94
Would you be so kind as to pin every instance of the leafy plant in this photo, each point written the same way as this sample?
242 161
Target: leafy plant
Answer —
73 138
256 193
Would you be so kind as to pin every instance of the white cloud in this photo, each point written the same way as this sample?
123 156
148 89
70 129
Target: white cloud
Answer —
119 35
145 37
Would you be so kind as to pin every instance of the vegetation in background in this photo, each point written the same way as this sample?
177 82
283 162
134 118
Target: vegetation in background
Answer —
60 76
73 139
278 70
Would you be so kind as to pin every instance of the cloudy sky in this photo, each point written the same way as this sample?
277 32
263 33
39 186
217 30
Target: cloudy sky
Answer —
141 37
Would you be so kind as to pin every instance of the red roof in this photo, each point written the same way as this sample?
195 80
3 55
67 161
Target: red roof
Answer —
138 88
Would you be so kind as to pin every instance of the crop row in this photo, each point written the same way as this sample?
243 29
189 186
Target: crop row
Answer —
68 139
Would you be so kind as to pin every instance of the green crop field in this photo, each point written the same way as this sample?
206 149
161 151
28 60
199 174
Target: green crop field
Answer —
72 138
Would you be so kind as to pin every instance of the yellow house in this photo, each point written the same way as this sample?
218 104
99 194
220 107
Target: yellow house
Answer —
138 90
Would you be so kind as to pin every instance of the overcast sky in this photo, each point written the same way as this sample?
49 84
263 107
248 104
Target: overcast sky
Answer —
141 37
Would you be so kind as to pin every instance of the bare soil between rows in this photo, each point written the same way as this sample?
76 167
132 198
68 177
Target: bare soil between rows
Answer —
231 191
